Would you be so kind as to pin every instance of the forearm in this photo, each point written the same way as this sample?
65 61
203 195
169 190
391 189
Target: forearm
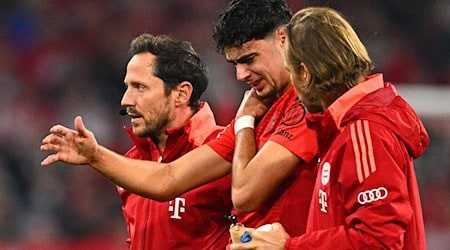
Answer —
161 181
154 180
145 178
242 181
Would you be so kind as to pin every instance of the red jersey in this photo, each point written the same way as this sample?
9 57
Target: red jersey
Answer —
193 220
366 194
284 123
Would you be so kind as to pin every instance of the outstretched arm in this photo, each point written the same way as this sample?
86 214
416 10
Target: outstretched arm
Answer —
154 180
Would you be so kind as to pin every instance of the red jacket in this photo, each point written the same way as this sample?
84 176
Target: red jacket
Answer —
366 194
193 220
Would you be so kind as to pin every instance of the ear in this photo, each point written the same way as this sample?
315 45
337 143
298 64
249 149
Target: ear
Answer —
183 93
304 72
281 34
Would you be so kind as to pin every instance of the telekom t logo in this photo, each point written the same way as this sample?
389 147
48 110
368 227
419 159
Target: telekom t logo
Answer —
323 200
177 206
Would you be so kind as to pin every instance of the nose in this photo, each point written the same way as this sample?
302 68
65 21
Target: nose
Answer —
127 98
242 72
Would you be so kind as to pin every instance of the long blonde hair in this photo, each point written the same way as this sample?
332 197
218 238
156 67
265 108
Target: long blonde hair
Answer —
326 43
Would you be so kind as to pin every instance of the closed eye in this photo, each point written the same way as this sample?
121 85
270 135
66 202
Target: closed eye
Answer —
246 59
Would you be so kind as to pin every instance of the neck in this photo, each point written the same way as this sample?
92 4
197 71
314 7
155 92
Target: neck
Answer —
331 97
180 117
283 89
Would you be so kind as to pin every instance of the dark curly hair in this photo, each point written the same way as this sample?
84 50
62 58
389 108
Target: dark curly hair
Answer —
244 20
176 61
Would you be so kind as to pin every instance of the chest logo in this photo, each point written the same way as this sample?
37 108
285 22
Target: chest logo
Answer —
372 195
323 201
295 114
177 206
325 178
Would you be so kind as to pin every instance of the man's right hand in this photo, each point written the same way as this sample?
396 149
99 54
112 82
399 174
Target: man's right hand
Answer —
253 105
71 146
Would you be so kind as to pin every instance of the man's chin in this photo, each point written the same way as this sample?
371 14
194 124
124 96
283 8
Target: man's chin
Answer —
139 132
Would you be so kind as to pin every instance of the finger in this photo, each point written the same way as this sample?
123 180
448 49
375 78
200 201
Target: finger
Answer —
47 139
52 138
49 160
60 130
79 126
49 147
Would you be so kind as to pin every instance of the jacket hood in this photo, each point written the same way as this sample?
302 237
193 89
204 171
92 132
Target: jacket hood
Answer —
384 106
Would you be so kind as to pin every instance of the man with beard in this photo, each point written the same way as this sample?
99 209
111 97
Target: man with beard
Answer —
268 148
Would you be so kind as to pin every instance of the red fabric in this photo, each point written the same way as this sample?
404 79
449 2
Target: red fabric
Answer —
194 220
284 123
366 195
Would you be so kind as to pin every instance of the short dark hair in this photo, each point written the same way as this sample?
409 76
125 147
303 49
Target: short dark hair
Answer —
176 61
244 20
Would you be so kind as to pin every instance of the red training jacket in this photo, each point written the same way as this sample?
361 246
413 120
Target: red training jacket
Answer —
193 220
366 194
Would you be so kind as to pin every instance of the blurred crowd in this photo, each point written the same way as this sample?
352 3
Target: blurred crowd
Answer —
62 58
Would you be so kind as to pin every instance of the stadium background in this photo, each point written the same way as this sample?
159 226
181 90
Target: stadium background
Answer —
61 58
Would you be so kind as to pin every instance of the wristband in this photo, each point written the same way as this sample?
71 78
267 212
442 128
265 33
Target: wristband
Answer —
245 121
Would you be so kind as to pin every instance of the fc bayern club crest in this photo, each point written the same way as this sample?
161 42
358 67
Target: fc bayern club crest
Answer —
295 114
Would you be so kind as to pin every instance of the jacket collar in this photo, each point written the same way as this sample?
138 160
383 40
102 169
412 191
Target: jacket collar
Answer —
198 128
344 103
